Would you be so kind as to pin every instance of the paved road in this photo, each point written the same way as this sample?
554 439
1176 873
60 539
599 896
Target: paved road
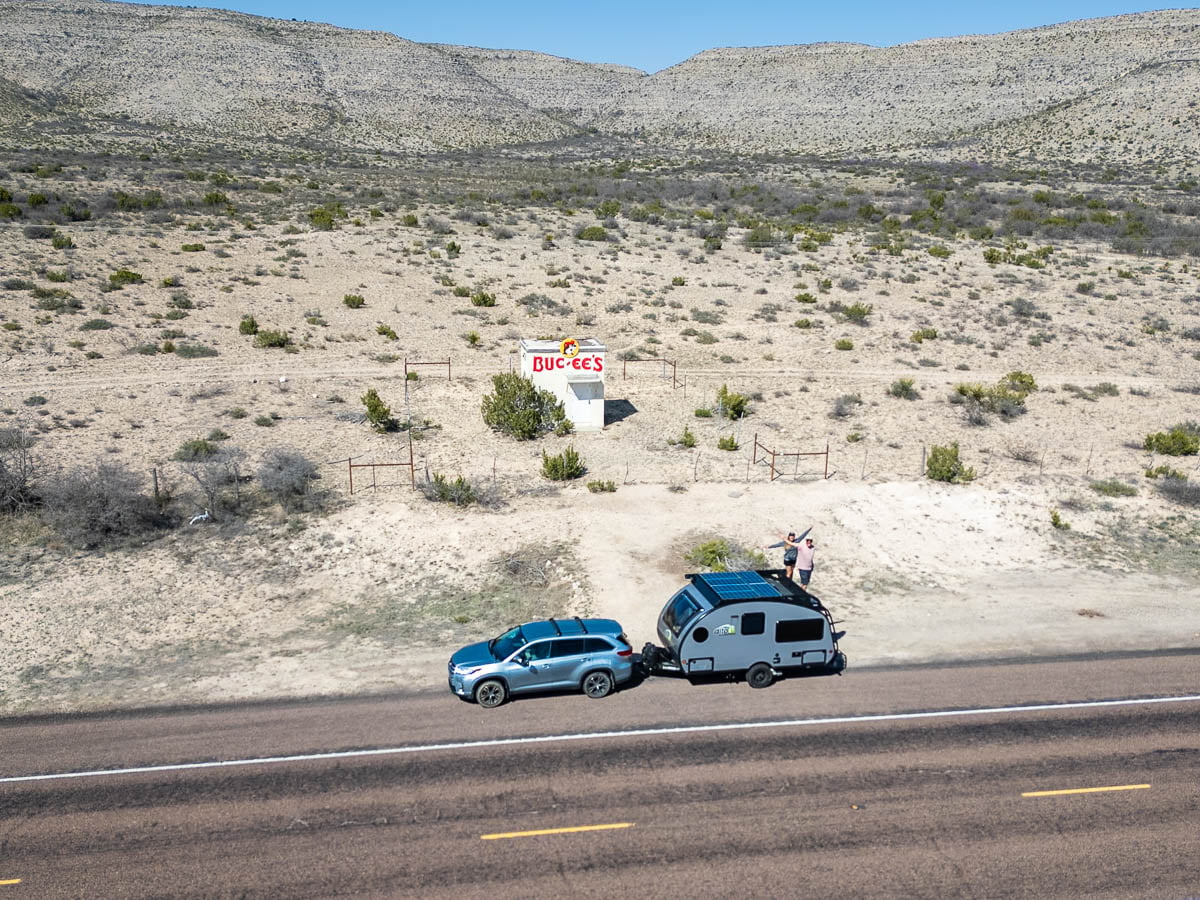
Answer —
860 806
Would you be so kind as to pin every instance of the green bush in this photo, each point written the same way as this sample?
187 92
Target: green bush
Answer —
324 218
608 209
195 351
197 448
731 405
843 344
409 221
122 277
563 466
803 323
592 233
248 325
386 331
192 248
10 211
96 325
601 487
482 298
903 389
379 414
943 464
461 290
1113 488
703 412
460 491
1019 382
923 334
721 555
727 442
1058 521
1179 441
940 252
61 241
857 312
516 408
687 439
805 297
272 339
1165 472
354 301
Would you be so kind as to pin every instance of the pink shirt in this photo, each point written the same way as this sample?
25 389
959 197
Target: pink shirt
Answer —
804 556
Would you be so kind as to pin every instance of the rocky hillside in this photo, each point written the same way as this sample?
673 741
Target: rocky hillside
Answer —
1120 88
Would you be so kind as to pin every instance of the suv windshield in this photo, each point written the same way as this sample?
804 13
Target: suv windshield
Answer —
679 612
507 644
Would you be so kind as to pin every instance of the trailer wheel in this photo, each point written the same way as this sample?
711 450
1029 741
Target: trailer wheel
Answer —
597 684
760 675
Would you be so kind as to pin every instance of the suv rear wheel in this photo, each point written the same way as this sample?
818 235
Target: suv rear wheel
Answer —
491 693
597 684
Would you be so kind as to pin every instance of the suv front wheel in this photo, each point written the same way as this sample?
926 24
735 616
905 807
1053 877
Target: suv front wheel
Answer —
597 684
491 693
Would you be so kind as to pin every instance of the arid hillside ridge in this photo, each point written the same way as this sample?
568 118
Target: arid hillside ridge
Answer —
1095 90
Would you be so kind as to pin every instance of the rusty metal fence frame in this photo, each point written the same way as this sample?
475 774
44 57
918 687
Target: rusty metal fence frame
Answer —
411 465
676 382
769 457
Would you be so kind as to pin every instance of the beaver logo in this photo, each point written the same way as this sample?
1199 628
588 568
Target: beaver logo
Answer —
570 348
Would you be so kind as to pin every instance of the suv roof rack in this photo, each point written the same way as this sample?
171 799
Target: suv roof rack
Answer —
582 626
557 630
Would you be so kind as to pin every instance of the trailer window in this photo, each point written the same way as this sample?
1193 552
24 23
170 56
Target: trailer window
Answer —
679 612
754 623
792 630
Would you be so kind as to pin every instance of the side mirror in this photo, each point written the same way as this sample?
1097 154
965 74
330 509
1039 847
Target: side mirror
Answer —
523 659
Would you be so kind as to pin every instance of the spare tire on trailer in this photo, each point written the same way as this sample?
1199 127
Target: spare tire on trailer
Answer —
652 658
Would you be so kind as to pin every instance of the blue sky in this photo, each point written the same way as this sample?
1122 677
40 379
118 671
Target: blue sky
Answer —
654 35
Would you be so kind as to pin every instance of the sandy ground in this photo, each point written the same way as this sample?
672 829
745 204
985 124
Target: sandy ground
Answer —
275 604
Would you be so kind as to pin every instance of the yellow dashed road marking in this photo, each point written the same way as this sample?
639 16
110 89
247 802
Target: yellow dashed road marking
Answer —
1091 790
577 828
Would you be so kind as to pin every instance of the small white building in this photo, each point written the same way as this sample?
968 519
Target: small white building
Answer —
573 371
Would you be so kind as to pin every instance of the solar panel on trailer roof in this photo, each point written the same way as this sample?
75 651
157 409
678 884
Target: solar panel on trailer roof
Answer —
737 585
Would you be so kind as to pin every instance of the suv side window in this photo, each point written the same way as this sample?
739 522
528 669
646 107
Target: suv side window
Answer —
596 645
540 650
567 647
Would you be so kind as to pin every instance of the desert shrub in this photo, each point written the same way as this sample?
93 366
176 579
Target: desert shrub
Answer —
1181 440
94 505
215 198
607 209
35 400
563 466
687 439
19 471
703 412
439 488
517 408
1111 487
264 421
1019 382
461 290
409 221
379 414
940 252
289 477
805 297
472 338
844 405
923 334
1181 491
1058 521
122 277
903 389
248 325
730 404
387 331
721 555
354 301
324 218
192 248
271 339
196 448
195 351
857 312
705 316
482 298
39 232
678 281
727 442
803 323
1165 472
592 233
10 211
944 464
96 325
843 344
602 487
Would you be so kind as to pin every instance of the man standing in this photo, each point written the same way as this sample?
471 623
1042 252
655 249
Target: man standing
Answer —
804 559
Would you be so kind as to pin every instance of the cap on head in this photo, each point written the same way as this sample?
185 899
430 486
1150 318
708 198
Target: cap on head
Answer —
791 534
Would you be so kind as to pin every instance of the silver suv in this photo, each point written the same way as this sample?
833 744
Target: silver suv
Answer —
590 655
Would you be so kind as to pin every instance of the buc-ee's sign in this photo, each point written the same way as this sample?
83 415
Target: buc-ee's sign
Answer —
543 362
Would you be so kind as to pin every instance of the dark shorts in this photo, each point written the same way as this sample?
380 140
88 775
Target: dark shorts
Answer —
805 574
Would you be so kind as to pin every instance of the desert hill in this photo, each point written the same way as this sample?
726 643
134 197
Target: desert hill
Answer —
1081 90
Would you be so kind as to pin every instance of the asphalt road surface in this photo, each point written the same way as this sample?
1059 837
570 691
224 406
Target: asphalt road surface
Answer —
903 782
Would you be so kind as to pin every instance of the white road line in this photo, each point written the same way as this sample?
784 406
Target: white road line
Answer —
601 735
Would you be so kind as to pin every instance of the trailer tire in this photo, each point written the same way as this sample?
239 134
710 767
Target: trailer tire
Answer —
597 684
760 675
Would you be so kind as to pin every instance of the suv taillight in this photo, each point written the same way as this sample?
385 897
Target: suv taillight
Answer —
626 652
